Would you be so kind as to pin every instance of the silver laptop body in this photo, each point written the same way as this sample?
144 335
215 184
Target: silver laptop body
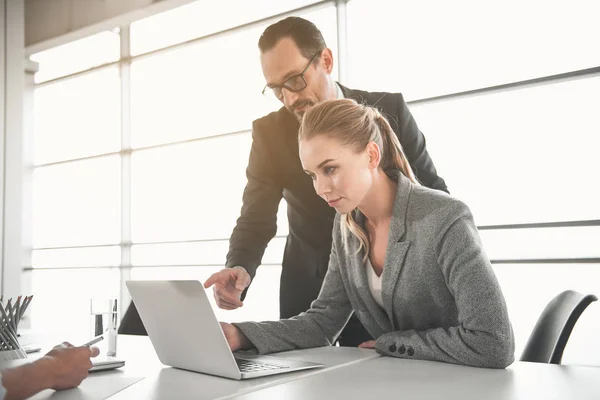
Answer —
185 333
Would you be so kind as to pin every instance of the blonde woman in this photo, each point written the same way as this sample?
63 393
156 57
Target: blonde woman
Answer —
406 259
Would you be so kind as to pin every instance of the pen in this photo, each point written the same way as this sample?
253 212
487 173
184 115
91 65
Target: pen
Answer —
94 341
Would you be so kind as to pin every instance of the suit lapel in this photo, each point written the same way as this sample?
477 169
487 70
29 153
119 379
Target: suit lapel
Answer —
397 247
292 126
359 96
351 94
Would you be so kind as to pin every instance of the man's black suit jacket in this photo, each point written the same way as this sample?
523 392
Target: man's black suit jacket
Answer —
274 171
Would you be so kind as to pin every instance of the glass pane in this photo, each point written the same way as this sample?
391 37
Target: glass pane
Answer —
189 191
109 256
262 300
77 56
165 206
529 288
198 19
526 155
178 191
206 88
61 302
466 44
77 203
194 253
78 117
542 243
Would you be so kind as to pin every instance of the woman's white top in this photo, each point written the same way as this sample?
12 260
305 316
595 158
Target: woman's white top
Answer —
374 283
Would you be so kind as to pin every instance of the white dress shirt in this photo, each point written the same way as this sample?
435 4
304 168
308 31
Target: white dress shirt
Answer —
338 91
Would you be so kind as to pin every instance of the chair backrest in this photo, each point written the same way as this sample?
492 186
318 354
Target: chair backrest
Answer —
548 339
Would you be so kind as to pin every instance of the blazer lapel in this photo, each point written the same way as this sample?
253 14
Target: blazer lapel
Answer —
394 261
397 247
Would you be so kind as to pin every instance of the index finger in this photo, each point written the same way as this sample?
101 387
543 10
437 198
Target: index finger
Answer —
212 279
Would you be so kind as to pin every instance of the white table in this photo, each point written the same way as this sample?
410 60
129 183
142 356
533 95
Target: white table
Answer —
387 378
173 383
144 377
350 373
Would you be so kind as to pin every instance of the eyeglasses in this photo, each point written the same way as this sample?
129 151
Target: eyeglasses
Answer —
294 83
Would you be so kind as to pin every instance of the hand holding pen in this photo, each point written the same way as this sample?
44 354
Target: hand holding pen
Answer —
64 367
93 341
70 365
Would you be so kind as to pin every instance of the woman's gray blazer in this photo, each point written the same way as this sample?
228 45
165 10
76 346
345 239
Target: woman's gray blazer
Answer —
441 298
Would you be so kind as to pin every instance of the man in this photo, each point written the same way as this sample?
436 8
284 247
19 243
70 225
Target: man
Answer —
62 368
297 66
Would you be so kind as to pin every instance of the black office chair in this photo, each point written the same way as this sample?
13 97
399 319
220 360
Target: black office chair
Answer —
548 339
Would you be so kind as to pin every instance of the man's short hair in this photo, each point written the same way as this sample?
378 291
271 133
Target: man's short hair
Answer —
304 33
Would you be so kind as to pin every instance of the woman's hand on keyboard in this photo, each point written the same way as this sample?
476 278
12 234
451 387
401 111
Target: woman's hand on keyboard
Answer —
235 337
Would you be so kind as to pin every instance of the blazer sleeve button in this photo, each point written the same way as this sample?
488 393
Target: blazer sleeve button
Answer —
392 348
410 351
402 349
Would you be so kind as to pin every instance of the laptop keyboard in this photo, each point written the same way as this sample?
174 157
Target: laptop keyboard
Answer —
257 366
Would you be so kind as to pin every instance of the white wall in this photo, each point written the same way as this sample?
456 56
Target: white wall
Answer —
2 122
12 20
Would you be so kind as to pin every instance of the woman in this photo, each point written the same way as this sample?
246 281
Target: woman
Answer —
406 259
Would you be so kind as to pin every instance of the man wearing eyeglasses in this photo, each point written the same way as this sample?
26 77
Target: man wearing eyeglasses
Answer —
297 66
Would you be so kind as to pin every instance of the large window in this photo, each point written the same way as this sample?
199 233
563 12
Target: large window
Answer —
140 160
80 55
142 136
78 117
517 155
430 47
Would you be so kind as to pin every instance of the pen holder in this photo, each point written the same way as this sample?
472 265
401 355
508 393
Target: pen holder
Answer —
10 316
8 355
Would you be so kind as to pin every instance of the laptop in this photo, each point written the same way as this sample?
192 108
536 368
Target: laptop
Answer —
185 333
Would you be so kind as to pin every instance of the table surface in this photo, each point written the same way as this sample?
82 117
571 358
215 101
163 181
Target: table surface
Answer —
348 373
163 382
388 377
157 381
